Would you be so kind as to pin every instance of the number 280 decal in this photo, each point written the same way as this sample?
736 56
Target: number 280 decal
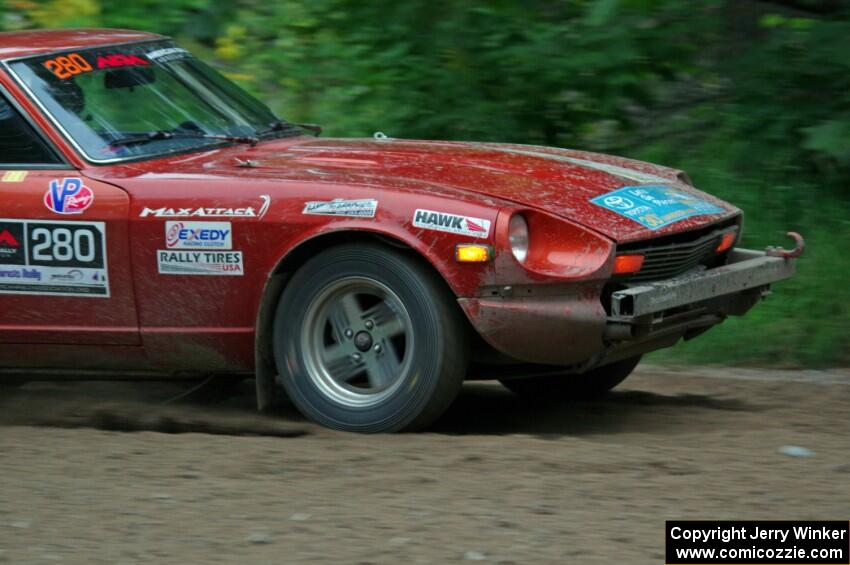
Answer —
53 258
68 65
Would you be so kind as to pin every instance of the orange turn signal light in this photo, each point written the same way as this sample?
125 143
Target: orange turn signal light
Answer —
726 242
625 264
471 253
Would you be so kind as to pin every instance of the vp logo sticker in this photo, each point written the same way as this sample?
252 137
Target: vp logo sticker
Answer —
69 197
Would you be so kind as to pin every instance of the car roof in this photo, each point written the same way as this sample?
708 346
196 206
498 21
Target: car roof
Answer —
16 44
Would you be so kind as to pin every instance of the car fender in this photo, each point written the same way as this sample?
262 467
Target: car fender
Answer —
323 236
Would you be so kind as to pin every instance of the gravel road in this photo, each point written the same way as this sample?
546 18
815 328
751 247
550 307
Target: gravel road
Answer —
109 473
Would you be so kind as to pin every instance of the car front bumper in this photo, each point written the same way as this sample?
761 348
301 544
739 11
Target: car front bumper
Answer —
587 326
745 270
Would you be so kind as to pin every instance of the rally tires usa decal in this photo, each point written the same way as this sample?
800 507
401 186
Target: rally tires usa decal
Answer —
210 263
53 258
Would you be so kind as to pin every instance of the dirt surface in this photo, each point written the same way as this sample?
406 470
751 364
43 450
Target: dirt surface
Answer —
109 473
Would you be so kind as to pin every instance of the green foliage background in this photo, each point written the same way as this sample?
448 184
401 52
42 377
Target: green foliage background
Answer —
752 98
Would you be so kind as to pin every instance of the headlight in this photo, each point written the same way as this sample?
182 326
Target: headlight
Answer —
518 237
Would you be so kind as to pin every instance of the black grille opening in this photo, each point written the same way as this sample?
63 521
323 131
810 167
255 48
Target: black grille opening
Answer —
671 256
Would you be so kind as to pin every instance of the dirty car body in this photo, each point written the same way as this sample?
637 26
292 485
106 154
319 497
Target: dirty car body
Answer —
155 219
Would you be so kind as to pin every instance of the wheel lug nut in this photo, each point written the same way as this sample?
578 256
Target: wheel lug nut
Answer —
378 348
349 333
369 324
356 357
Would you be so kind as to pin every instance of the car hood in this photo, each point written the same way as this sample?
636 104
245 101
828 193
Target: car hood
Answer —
559 181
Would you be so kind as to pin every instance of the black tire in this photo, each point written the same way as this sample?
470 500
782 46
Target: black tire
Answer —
586 386
420 368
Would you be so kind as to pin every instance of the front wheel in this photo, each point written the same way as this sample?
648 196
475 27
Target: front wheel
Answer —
586 386
369 339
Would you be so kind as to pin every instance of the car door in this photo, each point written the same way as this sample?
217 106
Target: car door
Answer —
64 249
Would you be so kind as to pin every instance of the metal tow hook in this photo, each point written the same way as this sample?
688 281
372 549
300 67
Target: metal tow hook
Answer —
799 247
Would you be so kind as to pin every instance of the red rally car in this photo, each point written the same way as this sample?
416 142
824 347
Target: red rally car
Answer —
158 221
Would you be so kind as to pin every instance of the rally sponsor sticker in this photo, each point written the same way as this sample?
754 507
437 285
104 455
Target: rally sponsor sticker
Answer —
53 258
210 212
451 223
14 176
198 235
168 55
68 196
655 206
210 263
12 243
364 208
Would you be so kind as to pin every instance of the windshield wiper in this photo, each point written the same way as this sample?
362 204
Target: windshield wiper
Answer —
160 135
280 125
275 126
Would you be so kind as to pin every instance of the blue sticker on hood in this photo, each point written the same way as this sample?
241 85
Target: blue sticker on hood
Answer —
655 206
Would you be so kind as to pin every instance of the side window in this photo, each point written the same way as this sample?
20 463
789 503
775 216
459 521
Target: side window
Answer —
19 142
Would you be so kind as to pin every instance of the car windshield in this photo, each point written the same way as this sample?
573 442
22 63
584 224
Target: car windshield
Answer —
142 100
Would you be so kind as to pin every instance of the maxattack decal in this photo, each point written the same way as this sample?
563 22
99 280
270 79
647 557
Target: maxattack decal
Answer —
200 263
68 196
209 212
452 223
364 208
655 206
198 235
53 258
